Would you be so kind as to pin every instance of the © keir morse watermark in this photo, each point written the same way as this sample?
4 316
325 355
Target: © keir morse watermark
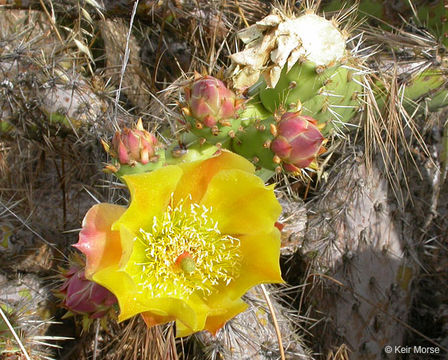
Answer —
416 349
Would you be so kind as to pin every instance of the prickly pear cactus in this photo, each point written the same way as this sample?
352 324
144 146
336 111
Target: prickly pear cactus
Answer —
364 270
254 142
418 92
430 86
284 68
134 151
338 101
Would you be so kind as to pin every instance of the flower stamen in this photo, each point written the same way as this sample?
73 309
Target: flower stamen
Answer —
185 252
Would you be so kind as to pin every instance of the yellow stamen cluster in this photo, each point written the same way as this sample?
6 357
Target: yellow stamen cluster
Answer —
186 229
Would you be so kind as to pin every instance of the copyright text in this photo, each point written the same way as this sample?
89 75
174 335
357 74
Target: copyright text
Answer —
416 349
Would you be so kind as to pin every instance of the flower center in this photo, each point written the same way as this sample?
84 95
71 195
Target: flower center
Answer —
184 252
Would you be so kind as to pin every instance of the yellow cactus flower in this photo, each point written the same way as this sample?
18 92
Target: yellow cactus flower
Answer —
195 237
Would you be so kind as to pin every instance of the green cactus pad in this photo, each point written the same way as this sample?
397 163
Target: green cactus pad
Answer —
337 102
431 14
172 155
440 99
5 126
252 111
429 87
142 168
194 152
424 83
252 143
223 134
301 83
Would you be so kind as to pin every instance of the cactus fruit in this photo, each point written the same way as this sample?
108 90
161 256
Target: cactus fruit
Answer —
284 67
136 151
278 40
303 60
292 142
211 109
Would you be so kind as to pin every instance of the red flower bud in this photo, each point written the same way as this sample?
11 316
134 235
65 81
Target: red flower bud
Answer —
298 141
210 101
82 296
132 146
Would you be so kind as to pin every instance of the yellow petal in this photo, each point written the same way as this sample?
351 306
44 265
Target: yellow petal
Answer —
152 319
217 318
97 241
127 239
182 330
122 286
260 264
201 310
241 203
150 196
173 308
133 301
197 175
216 322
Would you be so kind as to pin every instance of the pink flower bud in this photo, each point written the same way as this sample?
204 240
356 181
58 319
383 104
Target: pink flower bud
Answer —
82 296
298 141
131 146
210 101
